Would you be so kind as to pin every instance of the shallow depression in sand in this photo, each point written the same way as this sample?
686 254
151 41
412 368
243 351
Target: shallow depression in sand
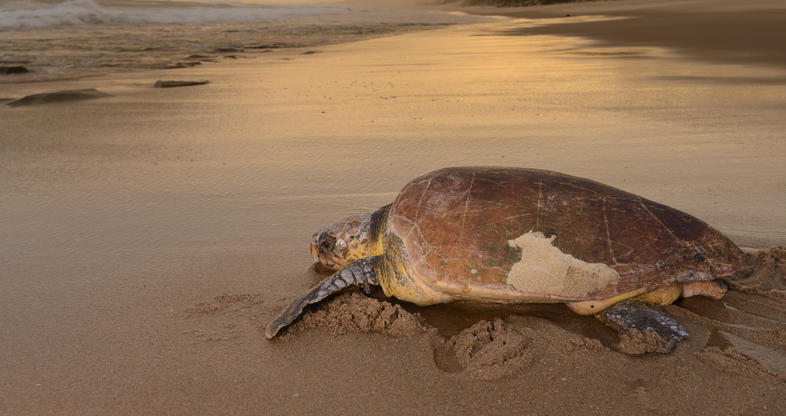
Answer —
488 350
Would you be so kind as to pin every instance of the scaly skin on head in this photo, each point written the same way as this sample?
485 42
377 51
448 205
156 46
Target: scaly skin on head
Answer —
350 239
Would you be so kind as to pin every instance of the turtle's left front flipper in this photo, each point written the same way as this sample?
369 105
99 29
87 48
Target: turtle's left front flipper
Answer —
643 328
362 272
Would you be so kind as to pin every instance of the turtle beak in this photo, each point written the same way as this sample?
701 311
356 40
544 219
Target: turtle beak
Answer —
314 252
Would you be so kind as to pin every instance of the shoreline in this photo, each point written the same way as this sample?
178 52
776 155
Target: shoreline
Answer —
726 38
229 42
116 39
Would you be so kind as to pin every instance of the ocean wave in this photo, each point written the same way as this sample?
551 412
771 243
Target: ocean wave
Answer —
83 12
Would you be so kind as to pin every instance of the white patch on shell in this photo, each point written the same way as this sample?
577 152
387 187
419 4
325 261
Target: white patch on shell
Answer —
545 270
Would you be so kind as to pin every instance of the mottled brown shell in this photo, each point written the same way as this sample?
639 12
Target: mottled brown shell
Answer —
455 225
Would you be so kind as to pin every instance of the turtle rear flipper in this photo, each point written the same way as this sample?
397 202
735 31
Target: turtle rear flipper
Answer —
643 328
362 272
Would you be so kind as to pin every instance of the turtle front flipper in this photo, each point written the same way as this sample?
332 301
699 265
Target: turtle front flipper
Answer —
643 328
362 272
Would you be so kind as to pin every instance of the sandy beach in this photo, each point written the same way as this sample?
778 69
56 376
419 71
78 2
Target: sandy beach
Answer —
150 235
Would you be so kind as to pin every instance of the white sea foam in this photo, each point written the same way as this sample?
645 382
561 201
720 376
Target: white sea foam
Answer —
80 12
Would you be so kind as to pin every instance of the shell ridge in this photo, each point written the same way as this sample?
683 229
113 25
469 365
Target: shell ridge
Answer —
576 186
608 232
508 218
632 197
668 230
466 207
422 196
540 204
417 210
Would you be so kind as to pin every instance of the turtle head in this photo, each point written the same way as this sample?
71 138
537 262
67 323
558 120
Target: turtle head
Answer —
350 239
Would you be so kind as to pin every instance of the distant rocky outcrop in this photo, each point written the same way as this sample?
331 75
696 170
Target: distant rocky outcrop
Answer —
58 97
15 69
228 49
179 65
516 3
176 83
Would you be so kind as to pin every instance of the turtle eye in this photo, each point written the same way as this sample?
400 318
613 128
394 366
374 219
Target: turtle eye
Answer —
326 243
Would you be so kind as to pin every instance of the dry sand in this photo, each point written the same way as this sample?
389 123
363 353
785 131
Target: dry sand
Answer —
148 236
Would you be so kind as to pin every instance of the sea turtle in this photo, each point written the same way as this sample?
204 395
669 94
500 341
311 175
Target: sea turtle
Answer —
524 235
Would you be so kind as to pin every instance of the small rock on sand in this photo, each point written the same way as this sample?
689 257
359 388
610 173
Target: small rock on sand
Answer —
172 83
184 65
276 45
58 97
16 69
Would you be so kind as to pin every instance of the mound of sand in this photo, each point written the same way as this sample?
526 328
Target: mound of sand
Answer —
764 273
355 312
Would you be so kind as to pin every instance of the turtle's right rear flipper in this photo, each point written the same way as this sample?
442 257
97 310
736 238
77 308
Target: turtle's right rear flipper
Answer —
643 328
358 273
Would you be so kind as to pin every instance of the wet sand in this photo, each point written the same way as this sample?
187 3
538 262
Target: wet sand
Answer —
63 52
148 237
721 31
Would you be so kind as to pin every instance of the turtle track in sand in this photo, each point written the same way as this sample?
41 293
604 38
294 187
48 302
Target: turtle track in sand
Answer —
763 273
489 350
496 349
502 348
354 312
